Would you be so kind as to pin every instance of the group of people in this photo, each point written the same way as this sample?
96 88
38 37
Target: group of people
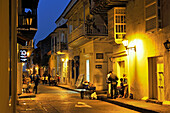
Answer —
119 90
31 82
51 80
46 77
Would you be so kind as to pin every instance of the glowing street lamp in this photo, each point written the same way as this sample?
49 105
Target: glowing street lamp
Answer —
125 43
62 59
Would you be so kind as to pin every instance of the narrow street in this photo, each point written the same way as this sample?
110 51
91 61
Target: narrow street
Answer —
52 99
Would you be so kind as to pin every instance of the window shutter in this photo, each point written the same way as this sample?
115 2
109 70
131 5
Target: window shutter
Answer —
111 23
152 15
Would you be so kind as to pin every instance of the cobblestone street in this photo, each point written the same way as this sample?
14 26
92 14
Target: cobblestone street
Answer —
52 99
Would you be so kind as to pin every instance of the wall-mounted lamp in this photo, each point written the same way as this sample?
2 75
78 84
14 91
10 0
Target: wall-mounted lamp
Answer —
125 43
167 45
62 59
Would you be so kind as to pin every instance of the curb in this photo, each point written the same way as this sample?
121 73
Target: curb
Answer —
102 98
68 89
139 109
27 96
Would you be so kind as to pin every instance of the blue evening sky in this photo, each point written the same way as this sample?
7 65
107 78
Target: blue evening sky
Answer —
48 12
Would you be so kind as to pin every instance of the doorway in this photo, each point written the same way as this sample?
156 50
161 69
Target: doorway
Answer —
88 70
76 58
120 70
156 78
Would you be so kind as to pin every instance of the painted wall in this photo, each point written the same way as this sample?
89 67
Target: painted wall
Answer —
88 52
53 65
19 78
4 43
99 74
147 45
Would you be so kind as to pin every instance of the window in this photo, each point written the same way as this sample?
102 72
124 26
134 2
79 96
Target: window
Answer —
70 26
99 55
119 23
62 37
153 19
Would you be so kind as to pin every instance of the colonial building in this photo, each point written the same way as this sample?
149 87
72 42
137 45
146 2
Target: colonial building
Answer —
26 29
88 42
59 53
143 27
11 21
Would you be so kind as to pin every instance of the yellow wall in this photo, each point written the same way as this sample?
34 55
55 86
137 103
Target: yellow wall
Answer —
4 45
97 76
53 64
147 45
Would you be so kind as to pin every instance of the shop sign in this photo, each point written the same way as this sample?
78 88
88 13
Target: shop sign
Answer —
99 66
23 55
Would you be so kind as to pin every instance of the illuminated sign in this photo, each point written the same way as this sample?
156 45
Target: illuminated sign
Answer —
23 55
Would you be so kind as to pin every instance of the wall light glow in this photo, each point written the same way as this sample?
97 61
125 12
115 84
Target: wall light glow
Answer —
62 59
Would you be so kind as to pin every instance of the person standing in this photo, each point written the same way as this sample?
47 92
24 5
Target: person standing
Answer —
49 77
36 81
108 85
113 78
44 78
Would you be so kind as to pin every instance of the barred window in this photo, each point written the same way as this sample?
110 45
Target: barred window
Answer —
119 22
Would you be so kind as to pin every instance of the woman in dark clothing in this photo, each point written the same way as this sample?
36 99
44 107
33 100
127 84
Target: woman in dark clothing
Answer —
36 81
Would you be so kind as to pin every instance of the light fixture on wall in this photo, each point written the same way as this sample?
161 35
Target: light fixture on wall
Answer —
167 45
125 43
62 59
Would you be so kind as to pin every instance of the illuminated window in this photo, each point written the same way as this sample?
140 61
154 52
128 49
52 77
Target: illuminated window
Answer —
153 18
119 22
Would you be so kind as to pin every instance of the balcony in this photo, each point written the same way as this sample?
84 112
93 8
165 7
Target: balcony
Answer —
102 6
27 25
62 48
84 32
27 21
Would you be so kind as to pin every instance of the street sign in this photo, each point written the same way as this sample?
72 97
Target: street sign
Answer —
99 66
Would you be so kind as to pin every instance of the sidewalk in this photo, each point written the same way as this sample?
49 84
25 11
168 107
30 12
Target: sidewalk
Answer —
137 105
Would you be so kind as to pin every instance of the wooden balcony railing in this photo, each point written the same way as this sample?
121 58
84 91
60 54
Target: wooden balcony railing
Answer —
78 32
87 30
95 30
62 46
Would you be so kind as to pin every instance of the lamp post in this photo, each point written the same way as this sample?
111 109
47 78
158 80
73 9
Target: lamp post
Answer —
167 45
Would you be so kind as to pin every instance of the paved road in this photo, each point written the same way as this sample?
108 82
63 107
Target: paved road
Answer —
52 99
